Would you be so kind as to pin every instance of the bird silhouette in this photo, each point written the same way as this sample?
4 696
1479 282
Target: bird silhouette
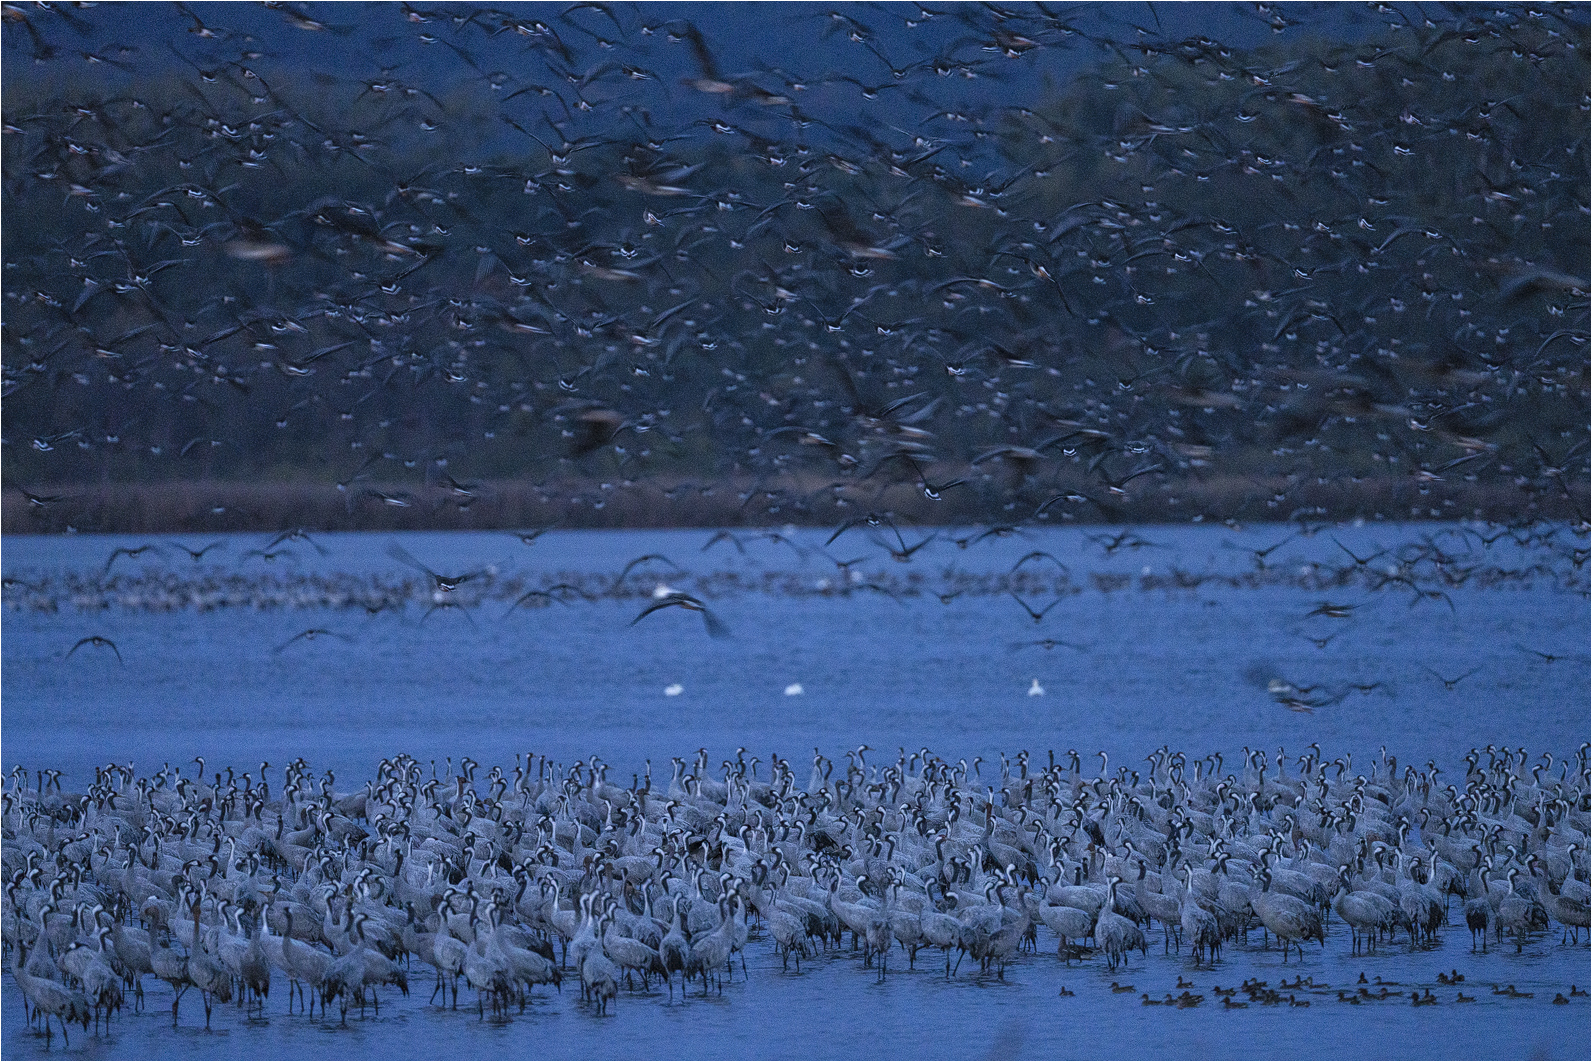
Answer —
309 635
98 641
673 599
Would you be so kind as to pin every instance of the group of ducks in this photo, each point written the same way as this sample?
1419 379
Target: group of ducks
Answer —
1261 992
508 880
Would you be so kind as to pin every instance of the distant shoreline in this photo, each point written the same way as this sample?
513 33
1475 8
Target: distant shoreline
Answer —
217 506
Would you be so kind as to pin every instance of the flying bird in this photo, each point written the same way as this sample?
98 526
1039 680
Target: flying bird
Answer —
443 583
309 636
716 627
98 641
643 559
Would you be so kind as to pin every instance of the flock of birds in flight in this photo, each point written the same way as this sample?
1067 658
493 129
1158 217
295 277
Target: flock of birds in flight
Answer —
1426 567
582 256
232 884
984 265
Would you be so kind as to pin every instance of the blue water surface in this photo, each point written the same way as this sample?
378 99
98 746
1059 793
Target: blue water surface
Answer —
1130 670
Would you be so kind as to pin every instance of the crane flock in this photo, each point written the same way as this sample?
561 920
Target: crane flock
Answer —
500 882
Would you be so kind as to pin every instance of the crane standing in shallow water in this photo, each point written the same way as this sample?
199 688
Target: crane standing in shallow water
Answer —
1288 918
1199 925
171 968
1113 934
599 975
50 998
674 951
